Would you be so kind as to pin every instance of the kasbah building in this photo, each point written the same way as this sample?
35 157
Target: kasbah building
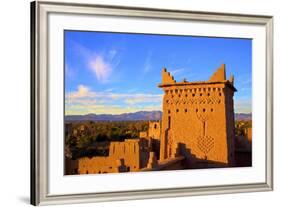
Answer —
197 130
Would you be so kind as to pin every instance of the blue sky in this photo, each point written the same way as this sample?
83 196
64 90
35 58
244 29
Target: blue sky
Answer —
118 73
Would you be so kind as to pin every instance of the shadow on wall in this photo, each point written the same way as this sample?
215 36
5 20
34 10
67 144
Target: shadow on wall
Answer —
192 162
242 159
155 147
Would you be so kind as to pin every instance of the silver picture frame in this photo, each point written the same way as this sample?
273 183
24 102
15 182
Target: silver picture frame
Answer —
39 100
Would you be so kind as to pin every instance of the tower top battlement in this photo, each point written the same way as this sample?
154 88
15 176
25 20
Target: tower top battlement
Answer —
219 76
167 78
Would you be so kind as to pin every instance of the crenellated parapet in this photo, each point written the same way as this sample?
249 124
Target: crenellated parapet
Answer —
219 76
167 78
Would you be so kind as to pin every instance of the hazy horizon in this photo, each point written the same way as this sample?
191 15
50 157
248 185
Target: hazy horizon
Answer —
128 113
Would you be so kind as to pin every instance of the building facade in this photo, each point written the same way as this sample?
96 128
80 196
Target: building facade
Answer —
198 118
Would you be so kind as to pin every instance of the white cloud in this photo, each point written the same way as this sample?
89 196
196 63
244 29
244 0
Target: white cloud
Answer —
101 64
176 71
109 89
147 63
147 67
83 91
143 98
85 101
101 68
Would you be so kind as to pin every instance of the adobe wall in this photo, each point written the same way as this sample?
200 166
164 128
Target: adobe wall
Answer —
132 152
88 165
154 129
198 117
129 150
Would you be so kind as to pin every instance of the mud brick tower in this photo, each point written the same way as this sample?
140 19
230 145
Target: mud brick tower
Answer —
198 117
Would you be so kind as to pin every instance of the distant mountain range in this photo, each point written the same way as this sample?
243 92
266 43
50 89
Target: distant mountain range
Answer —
136 116
243 116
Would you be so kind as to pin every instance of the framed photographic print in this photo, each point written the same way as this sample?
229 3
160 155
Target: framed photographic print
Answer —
135 103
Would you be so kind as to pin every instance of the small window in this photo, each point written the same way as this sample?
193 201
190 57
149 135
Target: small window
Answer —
212 110
200 94
185 110
155 126
219 94
193 95
204 110
169 111
208 94
196 110
177 110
